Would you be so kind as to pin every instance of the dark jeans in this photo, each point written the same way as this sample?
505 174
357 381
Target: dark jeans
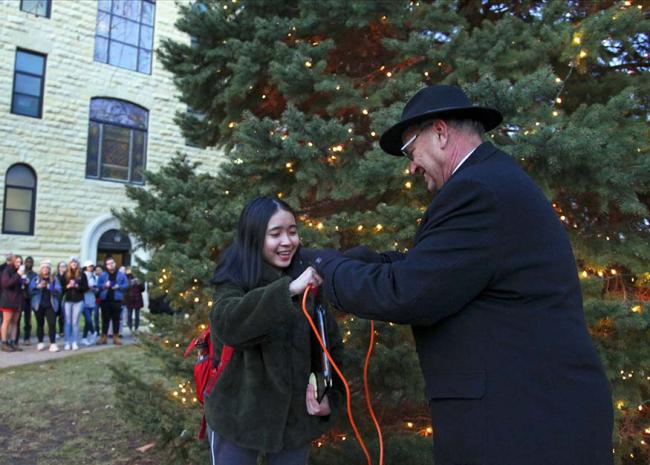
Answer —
130 319
110 314
41 314
27 315
223 452
60 316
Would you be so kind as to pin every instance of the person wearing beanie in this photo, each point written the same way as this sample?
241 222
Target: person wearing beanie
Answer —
90 310
27 307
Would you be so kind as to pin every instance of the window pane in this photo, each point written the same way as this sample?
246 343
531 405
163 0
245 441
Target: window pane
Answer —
114 172
29 62
26 105
20 176
119 112
146 37
115 152
105 5
137 155
19 199
124 56
147 13
144 65
124 30
28 85
17 222
103 24
37 7
101 50
93 150
127 8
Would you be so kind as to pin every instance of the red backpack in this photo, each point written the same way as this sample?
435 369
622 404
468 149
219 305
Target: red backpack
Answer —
206 374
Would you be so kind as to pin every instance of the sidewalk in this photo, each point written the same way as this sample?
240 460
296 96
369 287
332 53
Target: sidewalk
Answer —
31 355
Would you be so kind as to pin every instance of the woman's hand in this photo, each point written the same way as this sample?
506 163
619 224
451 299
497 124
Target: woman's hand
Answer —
309 276
313 407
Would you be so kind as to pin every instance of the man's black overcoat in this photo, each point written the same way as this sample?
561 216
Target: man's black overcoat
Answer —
490 288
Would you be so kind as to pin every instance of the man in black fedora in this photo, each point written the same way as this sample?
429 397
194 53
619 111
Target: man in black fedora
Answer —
490 288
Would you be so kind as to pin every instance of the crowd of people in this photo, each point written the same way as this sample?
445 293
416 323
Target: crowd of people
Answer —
61 296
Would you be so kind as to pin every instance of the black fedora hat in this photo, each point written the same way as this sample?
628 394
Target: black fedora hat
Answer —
437 102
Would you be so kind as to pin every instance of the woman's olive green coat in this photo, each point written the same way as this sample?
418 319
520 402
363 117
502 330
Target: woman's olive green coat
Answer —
259 400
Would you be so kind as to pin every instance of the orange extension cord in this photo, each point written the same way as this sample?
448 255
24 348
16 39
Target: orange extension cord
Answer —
347 386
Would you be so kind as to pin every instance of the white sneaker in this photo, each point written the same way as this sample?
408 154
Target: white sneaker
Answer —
54 348
75 346
85 342
40 346
66 347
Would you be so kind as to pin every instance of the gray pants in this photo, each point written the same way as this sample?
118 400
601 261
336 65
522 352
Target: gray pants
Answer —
223 452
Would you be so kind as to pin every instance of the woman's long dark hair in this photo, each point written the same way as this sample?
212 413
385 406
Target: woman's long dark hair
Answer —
241 262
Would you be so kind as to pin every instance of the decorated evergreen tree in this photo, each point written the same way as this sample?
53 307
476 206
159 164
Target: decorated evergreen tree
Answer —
297 94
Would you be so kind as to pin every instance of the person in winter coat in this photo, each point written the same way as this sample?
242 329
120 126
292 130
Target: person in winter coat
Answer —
11 302
490 288
73 300
61 268
133 301
91 326
27 308
263 402
44 290
112 285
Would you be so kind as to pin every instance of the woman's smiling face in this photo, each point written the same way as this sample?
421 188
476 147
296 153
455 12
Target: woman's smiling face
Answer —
281 240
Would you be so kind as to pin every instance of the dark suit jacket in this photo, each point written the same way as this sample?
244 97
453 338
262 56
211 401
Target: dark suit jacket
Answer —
490 288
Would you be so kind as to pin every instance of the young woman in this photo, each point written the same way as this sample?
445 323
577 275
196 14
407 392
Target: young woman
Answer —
90 307
73 300
44 290
263 402
133 301
61 268
11 302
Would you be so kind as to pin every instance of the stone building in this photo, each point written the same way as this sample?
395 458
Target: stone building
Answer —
85 106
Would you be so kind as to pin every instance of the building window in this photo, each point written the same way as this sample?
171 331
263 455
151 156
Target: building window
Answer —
37 7
124 34
20 200
29 79
117 140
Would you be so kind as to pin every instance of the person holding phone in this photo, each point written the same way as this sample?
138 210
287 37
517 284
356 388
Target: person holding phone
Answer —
112 285
44 291
11 302
73 297
263 401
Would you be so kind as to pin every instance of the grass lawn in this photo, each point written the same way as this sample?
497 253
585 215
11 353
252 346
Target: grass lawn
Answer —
63 413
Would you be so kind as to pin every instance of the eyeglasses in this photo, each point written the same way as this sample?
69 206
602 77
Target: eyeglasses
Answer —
404 148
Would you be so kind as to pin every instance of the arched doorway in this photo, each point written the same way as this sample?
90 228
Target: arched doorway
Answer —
114 243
